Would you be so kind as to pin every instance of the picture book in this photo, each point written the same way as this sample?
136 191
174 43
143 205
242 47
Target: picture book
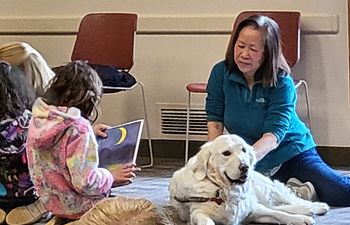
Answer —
121 145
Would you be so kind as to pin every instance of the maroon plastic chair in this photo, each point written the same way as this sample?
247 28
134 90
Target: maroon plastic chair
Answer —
108 39
289 23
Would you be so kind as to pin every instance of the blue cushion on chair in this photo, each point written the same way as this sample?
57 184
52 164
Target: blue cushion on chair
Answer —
112 77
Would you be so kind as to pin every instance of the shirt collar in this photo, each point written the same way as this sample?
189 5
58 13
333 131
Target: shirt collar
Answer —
237 76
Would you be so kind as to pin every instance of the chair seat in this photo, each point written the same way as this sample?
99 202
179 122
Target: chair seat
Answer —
114 79
112 89
197 87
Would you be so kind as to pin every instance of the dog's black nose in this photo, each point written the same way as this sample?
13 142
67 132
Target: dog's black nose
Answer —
243 167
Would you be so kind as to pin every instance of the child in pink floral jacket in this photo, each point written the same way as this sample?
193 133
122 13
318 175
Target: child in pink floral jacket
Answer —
62 148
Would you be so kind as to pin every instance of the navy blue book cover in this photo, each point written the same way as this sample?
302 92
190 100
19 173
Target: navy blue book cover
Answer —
121 145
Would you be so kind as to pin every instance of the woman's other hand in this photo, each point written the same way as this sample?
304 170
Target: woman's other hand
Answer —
215 129
264 145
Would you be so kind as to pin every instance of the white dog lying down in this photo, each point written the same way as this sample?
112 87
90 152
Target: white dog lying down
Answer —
219 186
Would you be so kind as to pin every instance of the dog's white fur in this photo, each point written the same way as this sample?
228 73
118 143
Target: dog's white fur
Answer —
220 170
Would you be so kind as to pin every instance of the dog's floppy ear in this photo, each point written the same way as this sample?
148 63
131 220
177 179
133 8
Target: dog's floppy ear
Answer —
200 162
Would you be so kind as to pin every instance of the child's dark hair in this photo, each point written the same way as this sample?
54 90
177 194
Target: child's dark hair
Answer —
75 85
16 93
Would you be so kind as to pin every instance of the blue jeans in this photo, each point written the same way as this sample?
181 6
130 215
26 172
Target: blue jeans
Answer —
331 186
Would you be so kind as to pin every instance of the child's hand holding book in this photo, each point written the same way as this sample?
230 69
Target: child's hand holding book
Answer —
100 129
123 173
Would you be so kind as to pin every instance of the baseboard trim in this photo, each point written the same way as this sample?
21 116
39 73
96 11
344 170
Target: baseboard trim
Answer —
334 156
169 148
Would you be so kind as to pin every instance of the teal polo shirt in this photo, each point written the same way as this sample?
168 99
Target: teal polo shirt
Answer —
250 113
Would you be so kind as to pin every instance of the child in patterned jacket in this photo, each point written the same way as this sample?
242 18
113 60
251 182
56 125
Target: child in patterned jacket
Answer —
62 150
29 72
16 99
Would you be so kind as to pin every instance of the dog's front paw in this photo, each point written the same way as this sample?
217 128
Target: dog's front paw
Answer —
199 218
301 220
320 208
202 221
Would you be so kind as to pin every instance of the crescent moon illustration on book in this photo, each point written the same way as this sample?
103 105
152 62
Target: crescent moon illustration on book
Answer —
123 136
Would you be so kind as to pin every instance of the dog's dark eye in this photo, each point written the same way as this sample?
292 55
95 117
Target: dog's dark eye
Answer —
226 153
244 149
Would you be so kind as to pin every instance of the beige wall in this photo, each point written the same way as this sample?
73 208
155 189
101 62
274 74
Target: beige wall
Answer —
188 38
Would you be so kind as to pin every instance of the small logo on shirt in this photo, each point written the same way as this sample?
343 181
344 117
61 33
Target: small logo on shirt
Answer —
260 100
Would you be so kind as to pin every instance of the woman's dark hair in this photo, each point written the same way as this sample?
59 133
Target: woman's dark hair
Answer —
16 93
274 61
75 85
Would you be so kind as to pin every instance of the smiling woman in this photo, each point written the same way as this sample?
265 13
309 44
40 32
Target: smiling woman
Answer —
251 93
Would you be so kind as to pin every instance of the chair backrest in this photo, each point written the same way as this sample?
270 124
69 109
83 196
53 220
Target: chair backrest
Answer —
289 24
106 39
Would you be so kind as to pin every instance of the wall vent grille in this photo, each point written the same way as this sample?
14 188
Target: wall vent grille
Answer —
173 121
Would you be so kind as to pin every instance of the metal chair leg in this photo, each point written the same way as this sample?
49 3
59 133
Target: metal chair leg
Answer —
187 127
147 128
306 91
